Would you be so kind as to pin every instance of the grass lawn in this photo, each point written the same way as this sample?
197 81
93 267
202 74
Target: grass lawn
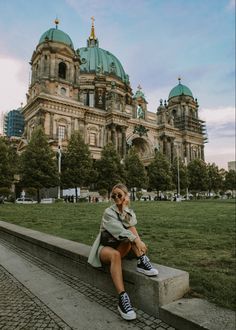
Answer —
196 236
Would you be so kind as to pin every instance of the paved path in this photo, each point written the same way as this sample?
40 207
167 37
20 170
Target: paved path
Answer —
35 295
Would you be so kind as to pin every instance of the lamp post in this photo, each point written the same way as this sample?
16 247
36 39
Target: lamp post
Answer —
59 170
178 176
186 163
129 143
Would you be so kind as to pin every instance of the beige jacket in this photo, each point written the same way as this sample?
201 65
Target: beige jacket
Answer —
117 224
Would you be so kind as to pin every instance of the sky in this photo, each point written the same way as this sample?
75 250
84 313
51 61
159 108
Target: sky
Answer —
156 41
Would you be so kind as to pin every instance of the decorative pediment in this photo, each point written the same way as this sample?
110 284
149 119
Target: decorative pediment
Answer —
140 130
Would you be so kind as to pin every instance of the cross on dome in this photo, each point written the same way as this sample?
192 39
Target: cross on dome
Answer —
92 34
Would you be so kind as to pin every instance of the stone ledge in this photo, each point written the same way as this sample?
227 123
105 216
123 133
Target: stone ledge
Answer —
197 314
148 294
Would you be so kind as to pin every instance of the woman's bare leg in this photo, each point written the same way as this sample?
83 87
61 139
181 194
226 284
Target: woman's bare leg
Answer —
124 248
111 256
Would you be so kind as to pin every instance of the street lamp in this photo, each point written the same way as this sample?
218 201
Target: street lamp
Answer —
59 170
178 176
186 163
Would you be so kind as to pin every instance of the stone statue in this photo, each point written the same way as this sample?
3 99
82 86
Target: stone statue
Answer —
140 112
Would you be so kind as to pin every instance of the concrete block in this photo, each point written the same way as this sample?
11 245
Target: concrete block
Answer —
147 293
196 314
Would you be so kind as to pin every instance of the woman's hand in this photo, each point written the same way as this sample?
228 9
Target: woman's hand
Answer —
140 246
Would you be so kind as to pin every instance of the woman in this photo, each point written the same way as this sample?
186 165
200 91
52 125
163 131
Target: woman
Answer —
116 238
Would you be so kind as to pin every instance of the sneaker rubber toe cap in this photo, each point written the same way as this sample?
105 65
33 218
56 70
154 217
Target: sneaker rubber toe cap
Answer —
131 315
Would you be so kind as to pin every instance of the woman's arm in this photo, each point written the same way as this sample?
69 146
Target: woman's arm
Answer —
138 245
111 223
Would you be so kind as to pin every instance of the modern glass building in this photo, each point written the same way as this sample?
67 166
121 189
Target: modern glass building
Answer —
14 123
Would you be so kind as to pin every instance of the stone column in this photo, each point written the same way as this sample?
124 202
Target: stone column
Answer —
161 146
168 147
190 152
76 124
32 78
72 125
101 133
52 66
72 73
55 71
113 135
46 66
107 136
202 153
51 125
41 66
85 132
123 130
164 145
187 152
172 150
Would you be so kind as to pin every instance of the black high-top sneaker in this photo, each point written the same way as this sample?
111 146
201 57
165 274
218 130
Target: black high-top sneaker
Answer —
125 308
144 266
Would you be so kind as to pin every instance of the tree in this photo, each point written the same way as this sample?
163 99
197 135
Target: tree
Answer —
77 164
109 169
183 174
159 174
8 163
215 179
38 165
198 175
134 171
230 180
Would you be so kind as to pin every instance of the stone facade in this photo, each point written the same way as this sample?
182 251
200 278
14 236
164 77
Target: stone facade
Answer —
65 96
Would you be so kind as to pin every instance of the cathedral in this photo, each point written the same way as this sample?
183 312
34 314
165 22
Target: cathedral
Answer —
87 90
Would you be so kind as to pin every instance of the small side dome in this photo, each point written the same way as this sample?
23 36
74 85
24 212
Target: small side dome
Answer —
56 35
180 90
161 106
139 94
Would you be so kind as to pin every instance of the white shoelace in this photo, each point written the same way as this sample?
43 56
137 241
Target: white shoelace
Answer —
126 303
144 259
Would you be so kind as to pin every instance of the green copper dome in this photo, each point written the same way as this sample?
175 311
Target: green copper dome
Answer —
57 35
180 90
98 60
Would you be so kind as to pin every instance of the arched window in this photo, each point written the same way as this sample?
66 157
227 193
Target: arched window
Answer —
92 139
174 111
61 132
37 70
192 113
62 70
89 98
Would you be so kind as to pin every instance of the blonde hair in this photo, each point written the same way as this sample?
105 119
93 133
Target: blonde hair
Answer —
122 187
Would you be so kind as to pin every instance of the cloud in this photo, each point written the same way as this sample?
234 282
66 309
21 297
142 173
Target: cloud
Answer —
220 123
231 4
219 116
220 150
14 87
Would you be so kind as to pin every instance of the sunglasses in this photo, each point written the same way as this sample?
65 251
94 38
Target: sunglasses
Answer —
113 196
